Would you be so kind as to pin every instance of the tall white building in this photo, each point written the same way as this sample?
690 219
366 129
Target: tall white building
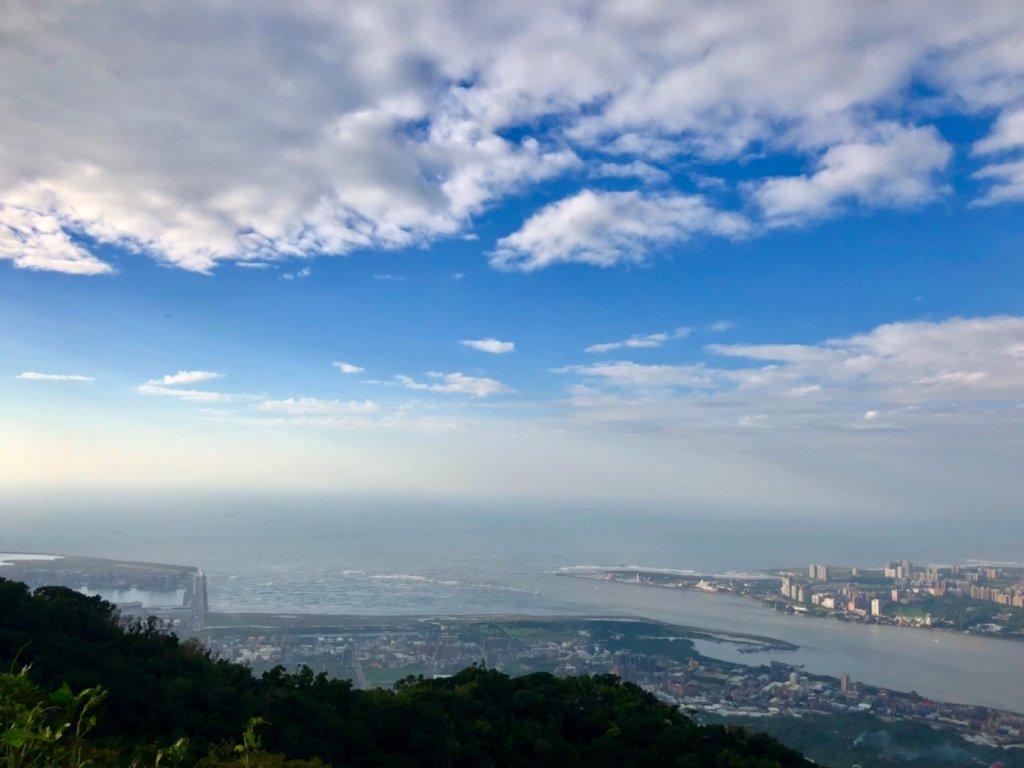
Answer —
818 572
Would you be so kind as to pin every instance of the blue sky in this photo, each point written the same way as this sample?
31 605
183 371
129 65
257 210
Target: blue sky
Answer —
756 257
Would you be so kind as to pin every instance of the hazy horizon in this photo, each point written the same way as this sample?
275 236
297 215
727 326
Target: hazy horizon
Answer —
187 526
761 259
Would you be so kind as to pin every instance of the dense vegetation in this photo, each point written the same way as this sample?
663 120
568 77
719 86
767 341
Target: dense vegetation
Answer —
862 739
963 613
145 698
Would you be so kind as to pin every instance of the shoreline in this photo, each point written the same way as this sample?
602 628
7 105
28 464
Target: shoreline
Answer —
596 576
294 627
311 621
735 643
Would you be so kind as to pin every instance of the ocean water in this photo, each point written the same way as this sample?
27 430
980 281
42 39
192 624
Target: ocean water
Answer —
373 558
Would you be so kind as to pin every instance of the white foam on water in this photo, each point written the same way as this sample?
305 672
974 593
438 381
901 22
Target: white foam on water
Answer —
11 559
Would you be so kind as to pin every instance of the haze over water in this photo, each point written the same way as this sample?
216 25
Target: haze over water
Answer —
378 556
373 558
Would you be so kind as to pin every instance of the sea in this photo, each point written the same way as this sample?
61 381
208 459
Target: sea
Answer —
373 557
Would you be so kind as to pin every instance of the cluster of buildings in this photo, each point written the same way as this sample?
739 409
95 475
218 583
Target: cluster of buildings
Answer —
977 585
985 582
377 657
849 599
981 583
380 655
782 690
895 594
370 656
865 595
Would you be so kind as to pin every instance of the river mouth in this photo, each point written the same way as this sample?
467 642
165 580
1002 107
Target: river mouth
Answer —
947 666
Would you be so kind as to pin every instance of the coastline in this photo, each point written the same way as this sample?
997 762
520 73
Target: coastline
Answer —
671 661
227 620
726 630
604 575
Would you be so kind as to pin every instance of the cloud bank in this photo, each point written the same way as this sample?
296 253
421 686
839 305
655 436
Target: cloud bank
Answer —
899 376
253 132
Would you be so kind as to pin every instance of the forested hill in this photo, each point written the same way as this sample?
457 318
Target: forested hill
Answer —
144 691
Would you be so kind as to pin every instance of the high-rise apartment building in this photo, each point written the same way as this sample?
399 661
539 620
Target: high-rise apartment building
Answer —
818 572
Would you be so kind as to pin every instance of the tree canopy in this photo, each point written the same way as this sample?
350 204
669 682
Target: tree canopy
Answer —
147 691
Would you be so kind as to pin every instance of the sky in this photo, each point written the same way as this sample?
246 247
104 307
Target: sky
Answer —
759 256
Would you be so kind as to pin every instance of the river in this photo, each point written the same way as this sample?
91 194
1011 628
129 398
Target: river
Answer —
363 560
943 665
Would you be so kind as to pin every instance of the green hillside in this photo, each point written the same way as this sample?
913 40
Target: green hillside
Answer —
97 691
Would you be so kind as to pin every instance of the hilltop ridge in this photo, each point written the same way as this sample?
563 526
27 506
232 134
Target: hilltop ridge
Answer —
159 690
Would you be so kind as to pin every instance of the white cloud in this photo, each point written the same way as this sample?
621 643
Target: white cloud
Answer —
1007 133
974 359
348 368
386 126
39 240
608 228
185 377
634 342
727 78
493 346
1009 183
642 145
311 406
919 417
630 375
897 374
907 416
636 169
170 385
897 170
329 156
1008 177
456 384
191 395
722 326
35 376
788 353
639 341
